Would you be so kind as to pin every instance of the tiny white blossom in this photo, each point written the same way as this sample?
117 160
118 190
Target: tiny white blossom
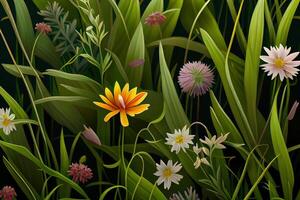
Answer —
6 121
214 141
198 150
199 161
167 173
180 139
280 62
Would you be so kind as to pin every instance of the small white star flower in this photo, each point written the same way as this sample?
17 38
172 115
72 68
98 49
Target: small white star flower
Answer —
198 150
180 139
6 121
280 62
214 141
199 161
167 173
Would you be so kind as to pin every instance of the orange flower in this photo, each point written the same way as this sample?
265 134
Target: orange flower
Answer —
125 102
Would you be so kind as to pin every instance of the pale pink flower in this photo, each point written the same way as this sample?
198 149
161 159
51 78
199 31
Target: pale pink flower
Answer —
293 110
80 173
280 62
156 18
44 28
91 136
195 78
7 193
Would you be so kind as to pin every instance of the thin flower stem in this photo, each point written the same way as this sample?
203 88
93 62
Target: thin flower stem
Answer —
34 46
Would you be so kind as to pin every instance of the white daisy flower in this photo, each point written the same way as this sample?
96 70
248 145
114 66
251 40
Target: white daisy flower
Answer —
280 62
214 141
6 121
199 161
180 139
168 173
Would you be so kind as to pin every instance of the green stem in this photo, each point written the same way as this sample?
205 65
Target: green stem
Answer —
34 46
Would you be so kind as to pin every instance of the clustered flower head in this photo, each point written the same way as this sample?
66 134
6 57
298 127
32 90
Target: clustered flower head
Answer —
156 18
180 139
80 172
189 194
167 173
195 78
8 193
6 121
125 101
44 28
280 62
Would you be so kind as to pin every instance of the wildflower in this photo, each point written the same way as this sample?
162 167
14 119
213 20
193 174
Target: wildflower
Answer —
180 139
43 28
6 121
7 193
199 161
195 78
293 110
91 136
80 172
156 18
215 142
124 102
199 150
280 62
136 63
189 194
168 173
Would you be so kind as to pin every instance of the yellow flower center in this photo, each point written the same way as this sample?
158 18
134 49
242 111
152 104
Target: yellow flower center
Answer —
122 102
279 62
6 121
167 173
179 139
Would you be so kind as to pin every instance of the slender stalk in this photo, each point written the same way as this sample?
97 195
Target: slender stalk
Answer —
34 46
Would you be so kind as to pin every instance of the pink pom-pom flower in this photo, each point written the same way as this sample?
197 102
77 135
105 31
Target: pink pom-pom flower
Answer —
7 193
80 173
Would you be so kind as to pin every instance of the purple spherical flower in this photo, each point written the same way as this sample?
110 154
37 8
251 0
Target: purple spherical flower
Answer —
7 193
195 78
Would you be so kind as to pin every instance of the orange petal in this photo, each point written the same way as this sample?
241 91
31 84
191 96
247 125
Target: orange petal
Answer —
110 115
105 106
117 91
131 95
109 95
124 119
137 109
140 97
107 101
125 91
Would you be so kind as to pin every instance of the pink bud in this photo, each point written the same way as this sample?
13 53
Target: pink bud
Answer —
293 110
91 136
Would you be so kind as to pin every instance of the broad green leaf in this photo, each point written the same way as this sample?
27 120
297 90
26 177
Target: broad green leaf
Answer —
26 70
175 114
24 25
136 51
284 162
254 46
285 23
65 190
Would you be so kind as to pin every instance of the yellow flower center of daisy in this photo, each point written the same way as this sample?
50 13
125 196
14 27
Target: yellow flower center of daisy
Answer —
6 121
279 63
179 139
167 173
122 102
